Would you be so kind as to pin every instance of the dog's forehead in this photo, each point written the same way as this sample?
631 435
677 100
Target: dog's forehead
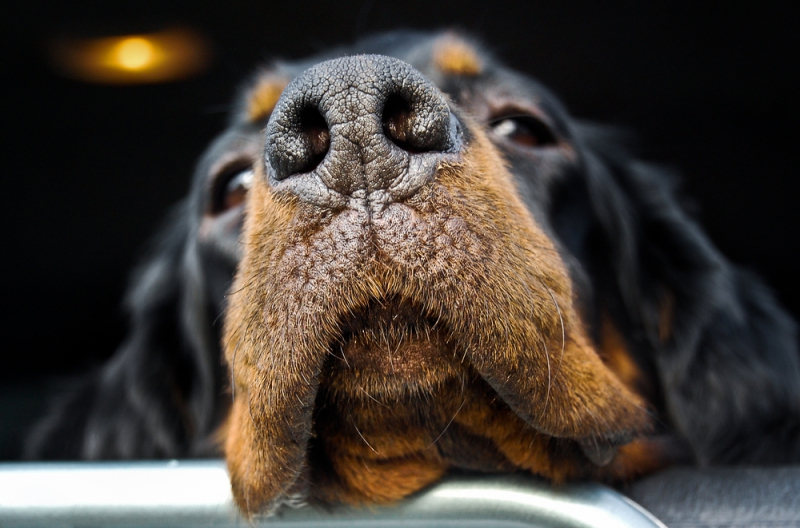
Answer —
454 62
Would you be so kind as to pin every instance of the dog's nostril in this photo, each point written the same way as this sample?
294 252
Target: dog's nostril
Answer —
317 137
298 139
397 123
412 132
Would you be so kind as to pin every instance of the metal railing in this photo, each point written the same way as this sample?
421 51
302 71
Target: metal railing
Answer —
197 494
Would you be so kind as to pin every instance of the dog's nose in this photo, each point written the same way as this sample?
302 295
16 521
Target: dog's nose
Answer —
365 127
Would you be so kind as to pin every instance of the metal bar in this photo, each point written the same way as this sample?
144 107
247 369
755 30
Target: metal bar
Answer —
197 493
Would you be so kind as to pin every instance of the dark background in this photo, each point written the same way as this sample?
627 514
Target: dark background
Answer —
88 171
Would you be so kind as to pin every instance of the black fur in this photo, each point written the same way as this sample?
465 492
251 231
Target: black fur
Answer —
725 380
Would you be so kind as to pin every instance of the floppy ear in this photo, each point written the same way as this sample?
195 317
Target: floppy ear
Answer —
725 353
156 397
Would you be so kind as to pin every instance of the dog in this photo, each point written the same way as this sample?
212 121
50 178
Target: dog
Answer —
436 268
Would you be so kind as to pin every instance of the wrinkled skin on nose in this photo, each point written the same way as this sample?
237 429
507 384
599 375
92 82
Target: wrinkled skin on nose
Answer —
362 128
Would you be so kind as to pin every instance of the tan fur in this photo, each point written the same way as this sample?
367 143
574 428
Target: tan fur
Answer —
615 355
263 97
453 56
462 338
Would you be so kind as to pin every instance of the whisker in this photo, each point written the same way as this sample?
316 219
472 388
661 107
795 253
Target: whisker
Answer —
365 440
388 348
549 380
446 427
341 348
560 318
371 397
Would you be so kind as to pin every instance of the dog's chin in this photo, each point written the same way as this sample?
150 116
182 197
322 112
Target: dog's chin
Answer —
391 350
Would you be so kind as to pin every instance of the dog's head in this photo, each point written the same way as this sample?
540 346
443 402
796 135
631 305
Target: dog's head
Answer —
412 293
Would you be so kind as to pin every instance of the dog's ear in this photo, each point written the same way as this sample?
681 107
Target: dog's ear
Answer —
156 395
724 351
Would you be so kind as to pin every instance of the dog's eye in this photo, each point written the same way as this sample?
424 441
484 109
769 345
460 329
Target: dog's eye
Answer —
524 129
232 189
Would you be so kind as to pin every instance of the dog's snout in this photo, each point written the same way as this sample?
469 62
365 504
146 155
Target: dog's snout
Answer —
365 127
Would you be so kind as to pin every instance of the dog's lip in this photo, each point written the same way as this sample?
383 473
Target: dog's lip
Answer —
389 325
386 313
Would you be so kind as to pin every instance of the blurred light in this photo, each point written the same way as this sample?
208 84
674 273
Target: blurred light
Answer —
134 53
162 56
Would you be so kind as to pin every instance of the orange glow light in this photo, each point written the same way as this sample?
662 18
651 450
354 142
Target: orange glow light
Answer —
133 59
134 53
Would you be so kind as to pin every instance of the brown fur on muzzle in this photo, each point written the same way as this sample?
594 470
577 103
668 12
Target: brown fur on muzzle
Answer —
372 352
